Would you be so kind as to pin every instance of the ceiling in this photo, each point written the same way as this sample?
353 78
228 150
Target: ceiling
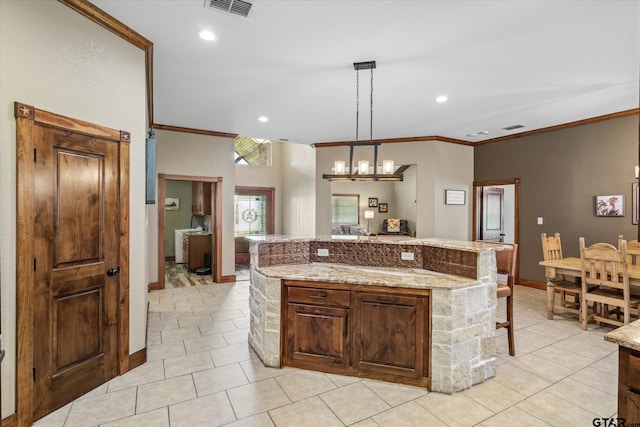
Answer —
500 63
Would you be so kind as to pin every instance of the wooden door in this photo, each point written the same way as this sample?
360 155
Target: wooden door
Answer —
492 214
389 334
75 294
317 336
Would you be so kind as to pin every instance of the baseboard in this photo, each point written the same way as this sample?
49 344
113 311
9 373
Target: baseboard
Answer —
10 421
138 358
533 284
230 278
153 286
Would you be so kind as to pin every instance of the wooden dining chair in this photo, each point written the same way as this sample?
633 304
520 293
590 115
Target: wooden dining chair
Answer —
552 250
506 261
605 282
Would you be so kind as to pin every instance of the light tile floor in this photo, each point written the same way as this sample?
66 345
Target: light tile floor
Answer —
201 372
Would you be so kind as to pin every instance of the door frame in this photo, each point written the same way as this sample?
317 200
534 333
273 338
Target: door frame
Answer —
516 212
270 194
26 117
216 206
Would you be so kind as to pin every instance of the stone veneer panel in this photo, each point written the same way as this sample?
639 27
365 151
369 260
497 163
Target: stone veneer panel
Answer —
264 318
450 261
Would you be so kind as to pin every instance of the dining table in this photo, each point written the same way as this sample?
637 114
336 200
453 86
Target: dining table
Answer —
572 266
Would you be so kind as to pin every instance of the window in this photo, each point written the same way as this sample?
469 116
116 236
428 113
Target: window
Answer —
345 208
252 151
250 215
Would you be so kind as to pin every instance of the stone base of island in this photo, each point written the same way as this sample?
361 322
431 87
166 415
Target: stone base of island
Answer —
413 311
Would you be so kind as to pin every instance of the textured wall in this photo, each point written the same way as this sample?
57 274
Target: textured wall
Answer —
560 173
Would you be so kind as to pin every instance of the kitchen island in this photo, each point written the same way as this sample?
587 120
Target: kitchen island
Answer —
413 311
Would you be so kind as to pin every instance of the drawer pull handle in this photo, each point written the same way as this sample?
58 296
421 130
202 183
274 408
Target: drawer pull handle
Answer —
388 300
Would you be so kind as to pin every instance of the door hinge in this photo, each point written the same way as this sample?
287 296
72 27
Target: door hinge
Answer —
34 264
34 375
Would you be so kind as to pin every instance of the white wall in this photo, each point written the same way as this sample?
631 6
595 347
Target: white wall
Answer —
405 198
265 176
196 155
56 60
299 190
439 166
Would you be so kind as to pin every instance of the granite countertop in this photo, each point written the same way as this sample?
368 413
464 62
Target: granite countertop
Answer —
399 240
626 336
359 275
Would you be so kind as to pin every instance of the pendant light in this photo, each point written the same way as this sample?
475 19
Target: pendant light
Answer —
361 172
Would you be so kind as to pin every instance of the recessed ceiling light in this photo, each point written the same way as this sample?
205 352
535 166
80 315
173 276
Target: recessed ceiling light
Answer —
263 119
441 98
206 35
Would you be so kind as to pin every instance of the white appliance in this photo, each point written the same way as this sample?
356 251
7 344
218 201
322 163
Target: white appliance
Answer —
179 249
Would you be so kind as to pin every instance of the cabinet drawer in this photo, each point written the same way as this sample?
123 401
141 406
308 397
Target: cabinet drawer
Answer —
634 372
327 297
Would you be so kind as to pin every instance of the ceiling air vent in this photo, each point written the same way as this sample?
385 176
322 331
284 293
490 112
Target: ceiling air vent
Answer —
512 127
237 7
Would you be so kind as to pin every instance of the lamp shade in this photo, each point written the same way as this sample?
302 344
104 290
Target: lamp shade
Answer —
338 167
368 214
363 167
388 166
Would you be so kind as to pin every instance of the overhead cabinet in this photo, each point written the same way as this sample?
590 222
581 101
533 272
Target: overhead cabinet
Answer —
201 198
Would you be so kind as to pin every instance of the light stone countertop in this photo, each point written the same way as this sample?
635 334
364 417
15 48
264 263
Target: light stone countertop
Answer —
360 275
626 336
464 245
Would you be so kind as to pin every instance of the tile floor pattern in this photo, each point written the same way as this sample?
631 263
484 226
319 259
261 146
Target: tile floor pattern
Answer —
201 372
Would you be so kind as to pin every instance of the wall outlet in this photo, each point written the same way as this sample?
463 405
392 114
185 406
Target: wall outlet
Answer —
323 252
540 221
407 256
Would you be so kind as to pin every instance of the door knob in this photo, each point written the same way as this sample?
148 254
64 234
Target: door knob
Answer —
113 271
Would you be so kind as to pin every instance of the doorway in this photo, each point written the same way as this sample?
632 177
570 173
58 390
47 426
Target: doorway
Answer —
254 216
72 259
214 208
496 212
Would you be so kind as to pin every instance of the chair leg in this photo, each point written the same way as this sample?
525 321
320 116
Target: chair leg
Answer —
510 329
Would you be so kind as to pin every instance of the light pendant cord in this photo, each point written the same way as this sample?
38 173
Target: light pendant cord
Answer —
371 110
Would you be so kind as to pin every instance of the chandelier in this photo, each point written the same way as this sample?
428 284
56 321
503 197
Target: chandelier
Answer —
362 172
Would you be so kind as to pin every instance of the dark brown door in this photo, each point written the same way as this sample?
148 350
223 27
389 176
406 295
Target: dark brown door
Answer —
76 270
389 334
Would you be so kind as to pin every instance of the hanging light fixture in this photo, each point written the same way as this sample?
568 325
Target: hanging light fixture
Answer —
361 172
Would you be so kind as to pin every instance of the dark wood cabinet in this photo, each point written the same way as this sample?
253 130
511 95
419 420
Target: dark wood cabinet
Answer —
379 333
195 246
201 198
629 385
389 334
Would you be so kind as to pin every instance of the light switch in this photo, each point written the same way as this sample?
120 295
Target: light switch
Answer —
406 256
323 252
540 220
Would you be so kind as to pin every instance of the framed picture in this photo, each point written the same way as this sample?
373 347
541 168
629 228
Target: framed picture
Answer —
634 196
383 207
454 197
373 202
610 205
171 204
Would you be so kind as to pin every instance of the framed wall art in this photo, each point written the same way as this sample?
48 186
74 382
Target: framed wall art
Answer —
454 197
171 204
373 202
383 207
609 206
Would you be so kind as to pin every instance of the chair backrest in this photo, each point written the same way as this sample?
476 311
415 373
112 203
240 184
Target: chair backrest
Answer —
551 247
604 265
633 252
551 250
506 260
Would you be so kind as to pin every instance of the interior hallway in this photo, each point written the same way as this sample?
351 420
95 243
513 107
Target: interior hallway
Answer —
201 372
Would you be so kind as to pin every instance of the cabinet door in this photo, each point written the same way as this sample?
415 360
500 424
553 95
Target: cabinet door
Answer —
389 334
317 335
201 198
